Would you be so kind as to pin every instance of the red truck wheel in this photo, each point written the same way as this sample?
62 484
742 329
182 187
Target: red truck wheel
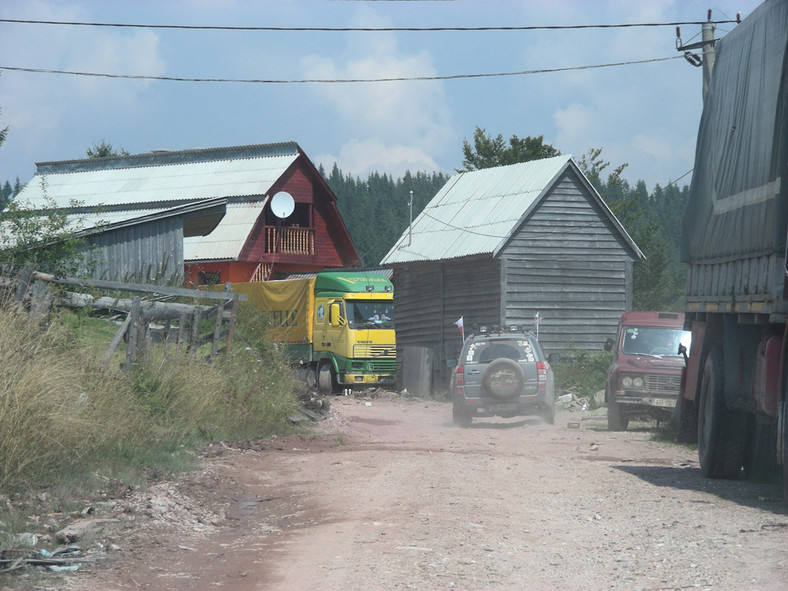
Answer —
722 433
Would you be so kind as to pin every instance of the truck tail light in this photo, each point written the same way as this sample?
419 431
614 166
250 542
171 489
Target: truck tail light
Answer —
541 374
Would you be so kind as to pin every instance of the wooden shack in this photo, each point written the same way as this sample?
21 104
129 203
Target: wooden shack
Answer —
529 244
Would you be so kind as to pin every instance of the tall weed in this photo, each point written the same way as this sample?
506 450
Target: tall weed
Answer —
62 409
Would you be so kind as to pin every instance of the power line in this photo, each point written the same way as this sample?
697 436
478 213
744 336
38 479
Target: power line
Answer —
337 80
357 29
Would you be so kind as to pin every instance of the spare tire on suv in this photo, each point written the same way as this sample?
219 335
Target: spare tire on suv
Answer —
503 379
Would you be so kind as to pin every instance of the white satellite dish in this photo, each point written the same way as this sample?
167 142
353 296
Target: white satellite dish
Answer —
282 204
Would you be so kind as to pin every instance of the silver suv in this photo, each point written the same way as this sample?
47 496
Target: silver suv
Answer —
502 373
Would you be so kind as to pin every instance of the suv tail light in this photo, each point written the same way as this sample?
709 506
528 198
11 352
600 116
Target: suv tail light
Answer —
459 377
541 374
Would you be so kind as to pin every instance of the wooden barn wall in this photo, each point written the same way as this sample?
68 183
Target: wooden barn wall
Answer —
150 252
569 264
430 297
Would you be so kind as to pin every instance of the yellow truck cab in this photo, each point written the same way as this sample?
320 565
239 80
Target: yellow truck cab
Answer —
337 326
354 343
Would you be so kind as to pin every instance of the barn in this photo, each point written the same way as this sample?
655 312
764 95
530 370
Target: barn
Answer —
203 216
527 244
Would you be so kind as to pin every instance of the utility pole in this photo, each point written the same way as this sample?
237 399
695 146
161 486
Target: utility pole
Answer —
708 51
707 45
410 222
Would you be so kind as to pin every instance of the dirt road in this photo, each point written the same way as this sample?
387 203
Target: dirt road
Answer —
390 495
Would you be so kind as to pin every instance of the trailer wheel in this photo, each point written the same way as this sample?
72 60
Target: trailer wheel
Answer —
722 433
616 419
325 378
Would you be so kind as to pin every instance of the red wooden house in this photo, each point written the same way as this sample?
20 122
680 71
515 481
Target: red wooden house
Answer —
202 215
253 244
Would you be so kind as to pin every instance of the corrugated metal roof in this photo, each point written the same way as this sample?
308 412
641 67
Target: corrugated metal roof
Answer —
229 237
476 211
178 182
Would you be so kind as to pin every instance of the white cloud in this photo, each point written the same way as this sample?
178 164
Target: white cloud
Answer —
413 117
361 157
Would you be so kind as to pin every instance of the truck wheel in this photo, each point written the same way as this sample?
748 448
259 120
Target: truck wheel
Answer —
325 378
616 419
722 433
311 378
686 418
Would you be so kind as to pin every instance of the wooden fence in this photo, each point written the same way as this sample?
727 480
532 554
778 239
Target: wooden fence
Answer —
147 321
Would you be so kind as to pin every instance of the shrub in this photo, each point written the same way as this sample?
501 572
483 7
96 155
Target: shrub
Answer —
582 372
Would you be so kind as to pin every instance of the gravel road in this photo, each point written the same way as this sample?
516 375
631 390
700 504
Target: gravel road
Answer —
388 494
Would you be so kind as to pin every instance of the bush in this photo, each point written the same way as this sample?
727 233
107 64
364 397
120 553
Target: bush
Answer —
582 372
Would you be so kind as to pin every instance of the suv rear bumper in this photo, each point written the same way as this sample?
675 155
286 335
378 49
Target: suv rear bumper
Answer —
492 407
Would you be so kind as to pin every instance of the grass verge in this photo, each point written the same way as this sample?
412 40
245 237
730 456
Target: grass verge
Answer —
69 424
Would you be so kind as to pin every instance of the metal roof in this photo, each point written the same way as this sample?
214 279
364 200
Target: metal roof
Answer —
122 189
172 181
229 237
476 212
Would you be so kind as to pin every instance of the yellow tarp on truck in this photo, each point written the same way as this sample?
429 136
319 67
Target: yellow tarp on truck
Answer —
288 305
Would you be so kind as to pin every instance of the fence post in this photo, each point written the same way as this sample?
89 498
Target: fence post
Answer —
23 283
231 328
131 344
40 301
195 336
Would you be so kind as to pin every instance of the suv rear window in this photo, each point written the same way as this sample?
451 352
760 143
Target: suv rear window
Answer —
485 351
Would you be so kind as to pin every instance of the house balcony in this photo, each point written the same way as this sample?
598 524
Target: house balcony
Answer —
289 240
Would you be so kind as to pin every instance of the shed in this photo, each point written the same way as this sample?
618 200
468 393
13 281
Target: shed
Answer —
204 213
506 245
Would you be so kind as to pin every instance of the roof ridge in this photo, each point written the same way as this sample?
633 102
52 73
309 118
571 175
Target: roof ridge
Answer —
166 157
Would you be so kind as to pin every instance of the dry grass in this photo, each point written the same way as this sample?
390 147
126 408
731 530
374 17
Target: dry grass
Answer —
62 412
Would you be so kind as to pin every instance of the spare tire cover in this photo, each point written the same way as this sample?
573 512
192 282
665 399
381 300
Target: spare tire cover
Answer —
503 379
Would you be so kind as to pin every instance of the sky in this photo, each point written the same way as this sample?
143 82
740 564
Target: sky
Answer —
645 115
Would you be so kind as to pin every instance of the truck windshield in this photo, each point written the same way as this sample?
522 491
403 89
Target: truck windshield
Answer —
651 340
370 314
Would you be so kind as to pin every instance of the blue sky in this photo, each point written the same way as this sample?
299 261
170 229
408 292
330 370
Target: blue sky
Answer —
645 115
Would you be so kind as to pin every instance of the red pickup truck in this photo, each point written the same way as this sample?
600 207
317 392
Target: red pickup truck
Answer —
644 378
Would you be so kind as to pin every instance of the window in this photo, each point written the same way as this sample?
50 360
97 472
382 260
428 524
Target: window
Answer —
370 314
651 340
209 278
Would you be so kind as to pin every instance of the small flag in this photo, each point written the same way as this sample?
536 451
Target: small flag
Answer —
460 326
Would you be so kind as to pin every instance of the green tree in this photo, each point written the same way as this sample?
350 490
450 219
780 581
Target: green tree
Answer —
104 150
488 151
376 210
45 238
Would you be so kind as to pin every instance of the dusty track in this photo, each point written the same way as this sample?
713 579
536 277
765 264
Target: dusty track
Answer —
389 495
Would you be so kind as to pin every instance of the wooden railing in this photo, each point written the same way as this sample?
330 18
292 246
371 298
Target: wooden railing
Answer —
181 324
289 240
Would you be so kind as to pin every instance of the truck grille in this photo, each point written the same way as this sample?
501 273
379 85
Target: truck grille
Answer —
375 352
382 366
663 383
